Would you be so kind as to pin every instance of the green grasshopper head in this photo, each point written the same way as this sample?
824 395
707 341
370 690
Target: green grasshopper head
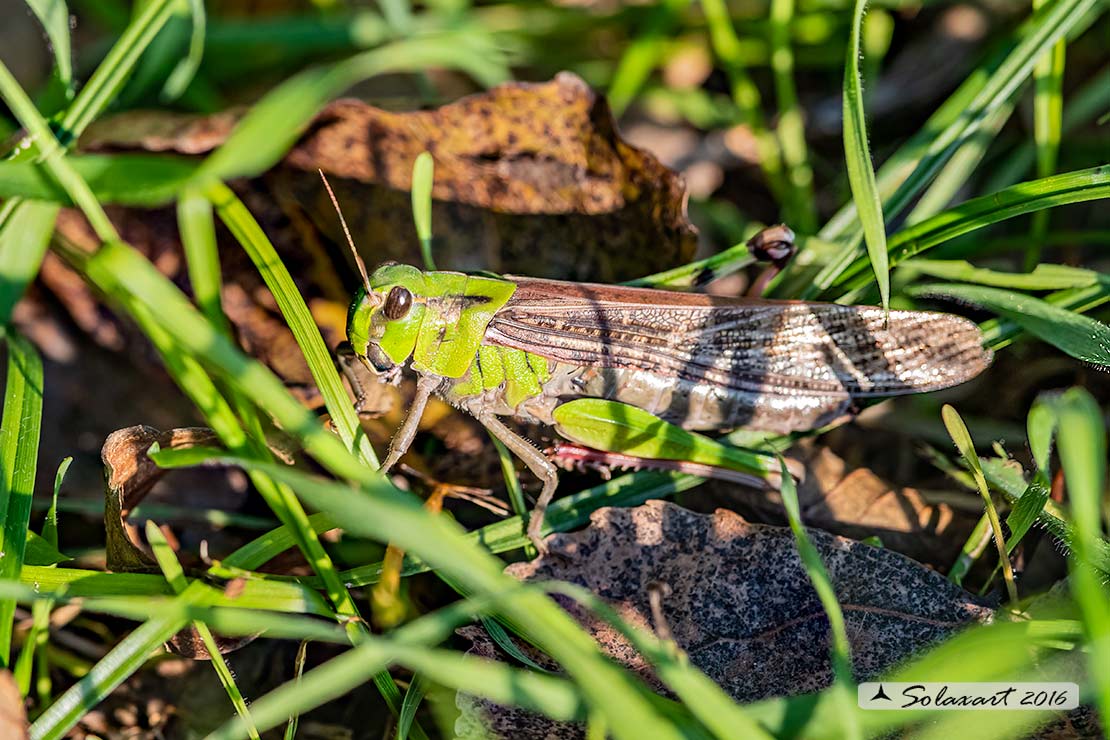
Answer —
385 317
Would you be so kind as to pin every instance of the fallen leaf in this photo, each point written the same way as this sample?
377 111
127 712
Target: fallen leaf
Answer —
129 475
740 604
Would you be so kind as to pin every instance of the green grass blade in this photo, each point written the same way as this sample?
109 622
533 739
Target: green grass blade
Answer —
258 247
380 512
1082 440
113 71
911 169
24 237
175 576
124 179
841 648
202 257
642 55
1016 200
122 661
1079 336
800 207
187 67
1048 115
962 439
423 175
54 17
1043 277
19 445
857 158
413 697
745 93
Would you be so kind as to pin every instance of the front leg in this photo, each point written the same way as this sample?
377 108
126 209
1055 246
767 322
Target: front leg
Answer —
537 462
426 385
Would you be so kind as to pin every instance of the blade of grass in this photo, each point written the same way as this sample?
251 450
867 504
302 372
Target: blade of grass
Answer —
258 247
801 209
1070 187
187 67
1082 441
641 56
839 646
19 444
263 136
54 17
413 697
745 94
24 237
1079 336
1048 113
1043 277
857 158
907 172
384 514
962 439
423 175
175 576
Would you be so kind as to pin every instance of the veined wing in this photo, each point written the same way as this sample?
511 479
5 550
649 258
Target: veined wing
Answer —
783 348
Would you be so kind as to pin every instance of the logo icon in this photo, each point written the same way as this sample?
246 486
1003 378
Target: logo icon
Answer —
880 694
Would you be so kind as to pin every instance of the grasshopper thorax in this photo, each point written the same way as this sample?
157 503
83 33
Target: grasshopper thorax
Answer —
385 316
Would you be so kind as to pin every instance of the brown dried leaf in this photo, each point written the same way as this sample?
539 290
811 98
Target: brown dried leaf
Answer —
129 475
530 178
740 603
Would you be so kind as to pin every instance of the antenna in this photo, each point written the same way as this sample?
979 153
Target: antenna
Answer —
346 231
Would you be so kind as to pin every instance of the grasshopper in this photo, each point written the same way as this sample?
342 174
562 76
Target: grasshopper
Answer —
518 347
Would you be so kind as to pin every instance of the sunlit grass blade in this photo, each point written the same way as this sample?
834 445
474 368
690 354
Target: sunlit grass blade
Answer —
1043 277
175 576
187 67
19 445
1079 336
909 171
423 174
840 648
24 237
962 439
54 17
800 208
1082 440
382 513
857 158
1072 187
641 56
123 660
745 94
1012 484
1048 113
257 245
123 179
198 237
413 697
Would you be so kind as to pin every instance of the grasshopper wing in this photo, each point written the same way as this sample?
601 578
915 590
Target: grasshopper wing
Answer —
758 357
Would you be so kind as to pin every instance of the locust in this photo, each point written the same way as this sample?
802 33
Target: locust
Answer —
500 347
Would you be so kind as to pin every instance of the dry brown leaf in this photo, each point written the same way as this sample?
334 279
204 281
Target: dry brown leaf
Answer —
530 178
129 475
740 603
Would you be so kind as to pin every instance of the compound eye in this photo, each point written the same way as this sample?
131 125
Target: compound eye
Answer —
397 303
